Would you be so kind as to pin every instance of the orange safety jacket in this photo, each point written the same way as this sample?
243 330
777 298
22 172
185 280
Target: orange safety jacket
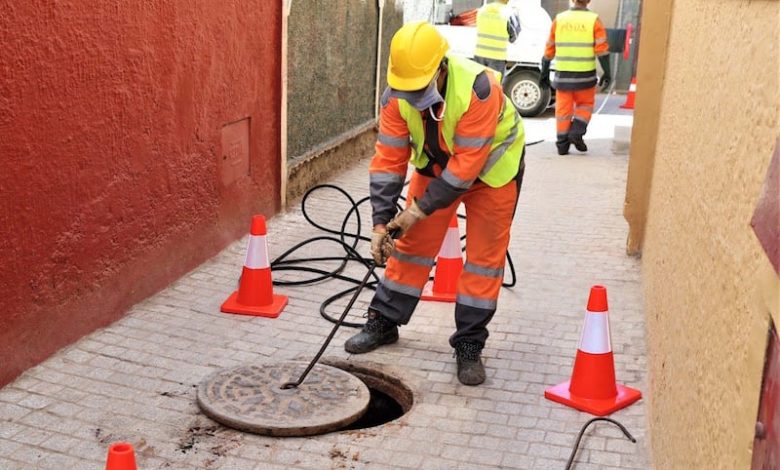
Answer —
474 134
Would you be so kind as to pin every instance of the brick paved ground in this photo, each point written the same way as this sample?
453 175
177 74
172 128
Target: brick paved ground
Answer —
134 381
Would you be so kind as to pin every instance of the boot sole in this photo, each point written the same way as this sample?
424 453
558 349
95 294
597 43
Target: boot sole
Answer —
471 384
376 346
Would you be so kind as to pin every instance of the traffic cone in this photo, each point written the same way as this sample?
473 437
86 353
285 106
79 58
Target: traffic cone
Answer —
629 104
121 457
449 265
592 387
255 294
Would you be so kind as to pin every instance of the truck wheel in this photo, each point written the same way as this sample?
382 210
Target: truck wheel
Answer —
528 97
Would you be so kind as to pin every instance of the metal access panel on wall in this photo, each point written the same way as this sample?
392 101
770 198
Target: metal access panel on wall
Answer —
766 447
234 158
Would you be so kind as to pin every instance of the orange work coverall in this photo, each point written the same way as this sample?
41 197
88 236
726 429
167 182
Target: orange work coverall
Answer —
489 211
575 92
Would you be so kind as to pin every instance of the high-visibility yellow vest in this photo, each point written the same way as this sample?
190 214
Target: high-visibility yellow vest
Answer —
574 41
508 143
492 34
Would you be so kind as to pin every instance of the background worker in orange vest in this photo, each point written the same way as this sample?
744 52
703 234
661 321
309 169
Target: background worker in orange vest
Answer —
577 38
497 26
449 118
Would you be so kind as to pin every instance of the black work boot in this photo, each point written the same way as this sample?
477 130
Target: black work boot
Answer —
377 331
470 368
578 129
563 147
579 144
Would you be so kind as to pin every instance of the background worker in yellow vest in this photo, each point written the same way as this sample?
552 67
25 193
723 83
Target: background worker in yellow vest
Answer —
497 26
577 38
449 118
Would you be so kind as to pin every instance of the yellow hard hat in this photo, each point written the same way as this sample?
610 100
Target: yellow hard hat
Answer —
415 54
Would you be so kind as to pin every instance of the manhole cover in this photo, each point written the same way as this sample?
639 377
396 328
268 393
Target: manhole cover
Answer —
250 398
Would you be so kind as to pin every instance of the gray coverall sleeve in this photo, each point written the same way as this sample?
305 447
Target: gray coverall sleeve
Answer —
439 194
384 190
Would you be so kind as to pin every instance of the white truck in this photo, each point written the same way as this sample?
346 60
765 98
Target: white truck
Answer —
521 82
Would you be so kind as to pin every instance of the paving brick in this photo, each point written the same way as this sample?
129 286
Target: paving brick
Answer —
516 460
486 457
605 458
8 447
11 395
431 463
12 412
59 443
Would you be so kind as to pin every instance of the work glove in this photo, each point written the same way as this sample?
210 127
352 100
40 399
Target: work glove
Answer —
544 75
404 221
606 78
381 244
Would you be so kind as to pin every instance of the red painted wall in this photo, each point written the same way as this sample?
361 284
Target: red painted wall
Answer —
114 179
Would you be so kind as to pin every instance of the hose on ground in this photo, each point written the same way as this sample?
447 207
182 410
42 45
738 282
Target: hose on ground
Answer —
348 242
582 431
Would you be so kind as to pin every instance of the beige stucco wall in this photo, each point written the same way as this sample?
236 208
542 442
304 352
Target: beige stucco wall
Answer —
708 284
656 26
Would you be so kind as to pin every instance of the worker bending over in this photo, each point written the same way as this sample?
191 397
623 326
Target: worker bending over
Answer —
577 37
448 117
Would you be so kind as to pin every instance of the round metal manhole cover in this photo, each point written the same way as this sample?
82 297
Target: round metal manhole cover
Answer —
250 398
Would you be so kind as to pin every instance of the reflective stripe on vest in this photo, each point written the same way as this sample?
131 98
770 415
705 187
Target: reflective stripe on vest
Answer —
574 41
492 34
507 147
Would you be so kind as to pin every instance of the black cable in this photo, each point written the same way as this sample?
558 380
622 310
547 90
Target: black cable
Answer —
582 431
348 242
340 321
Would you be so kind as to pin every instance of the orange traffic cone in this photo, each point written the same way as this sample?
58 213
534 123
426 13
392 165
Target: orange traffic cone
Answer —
592 387
121 457
449 265
629 104
255 295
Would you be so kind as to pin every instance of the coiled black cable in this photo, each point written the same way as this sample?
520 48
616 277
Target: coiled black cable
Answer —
347 241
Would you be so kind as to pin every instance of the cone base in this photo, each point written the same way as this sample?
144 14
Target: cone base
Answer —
429 294
272 310
625 396
626 106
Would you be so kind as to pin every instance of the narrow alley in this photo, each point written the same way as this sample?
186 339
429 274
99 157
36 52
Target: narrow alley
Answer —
135 380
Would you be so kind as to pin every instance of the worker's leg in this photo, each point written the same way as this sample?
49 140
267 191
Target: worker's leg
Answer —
564 111
405 276
489 214
583 110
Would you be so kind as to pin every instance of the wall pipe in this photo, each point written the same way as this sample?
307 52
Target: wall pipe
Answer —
614 61
381 6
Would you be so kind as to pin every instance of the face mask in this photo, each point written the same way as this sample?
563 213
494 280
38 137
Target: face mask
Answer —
432 94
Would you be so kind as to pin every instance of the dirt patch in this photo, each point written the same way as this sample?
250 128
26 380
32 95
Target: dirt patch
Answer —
194 435
211 439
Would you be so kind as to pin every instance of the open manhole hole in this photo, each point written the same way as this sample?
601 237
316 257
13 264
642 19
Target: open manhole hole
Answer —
335 396
390 398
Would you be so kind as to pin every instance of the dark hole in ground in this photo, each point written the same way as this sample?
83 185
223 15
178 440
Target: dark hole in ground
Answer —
382 408
389 397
